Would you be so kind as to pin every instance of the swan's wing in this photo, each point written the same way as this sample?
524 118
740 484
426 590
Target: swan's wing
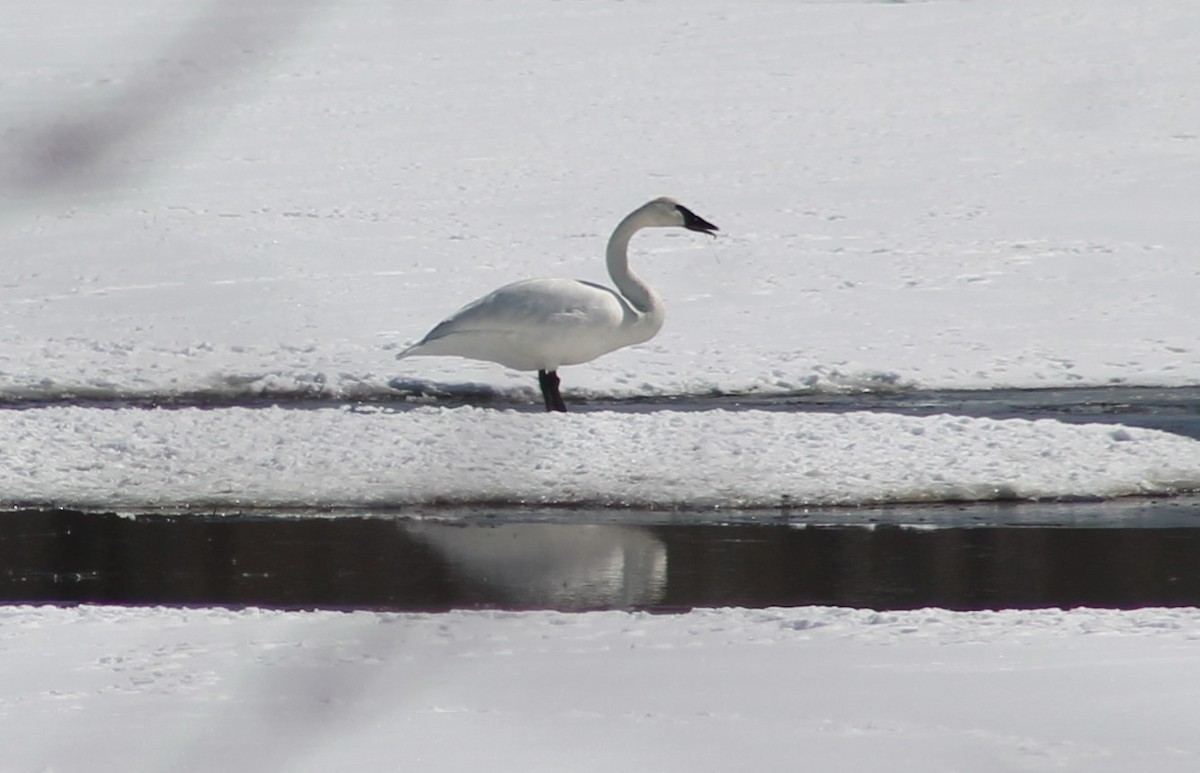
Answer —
538 324
534 306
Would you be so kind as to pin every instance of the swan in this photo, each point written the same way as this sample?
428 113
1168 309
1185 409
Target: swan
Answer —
543 324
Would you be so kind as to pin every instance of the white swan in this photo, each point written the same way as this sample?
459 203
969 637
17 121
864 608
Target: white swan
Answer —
541 324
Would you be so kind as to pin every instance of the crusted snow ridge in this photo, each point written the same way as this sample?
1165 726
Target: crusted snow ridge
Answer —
95 458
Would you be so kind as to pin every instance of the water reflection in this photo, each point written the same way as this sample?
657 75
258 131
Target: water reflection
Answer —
399 564
553 565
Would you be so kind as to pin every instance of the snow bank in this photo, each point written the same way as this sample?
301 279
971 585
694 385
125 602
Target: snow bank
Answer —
239 457
928 691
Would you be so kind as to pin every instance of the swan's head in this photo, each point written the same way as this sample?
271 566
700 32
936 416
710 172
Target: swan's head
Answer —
669 212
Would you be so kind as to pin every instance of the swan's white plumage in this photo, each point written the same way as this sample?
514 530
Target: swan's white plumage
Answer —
541 324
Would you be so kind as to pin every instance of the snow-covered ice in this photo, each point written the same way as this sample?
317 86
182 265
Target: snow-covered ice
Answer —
929 195
241 199
944 194
713 690
278 457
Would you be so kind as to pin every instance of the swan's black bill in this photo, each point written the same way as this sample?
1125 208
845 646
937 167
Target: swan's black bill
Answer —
694 222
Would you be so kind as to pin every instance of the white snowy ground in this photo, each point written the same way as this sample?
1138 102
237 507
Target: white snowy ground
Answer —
278 194
237 198
137 460
802 689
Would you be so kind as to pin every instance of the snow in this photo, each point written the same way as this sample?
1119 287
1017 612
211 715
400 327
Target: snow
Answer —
773 689
353 457
240 200
946 194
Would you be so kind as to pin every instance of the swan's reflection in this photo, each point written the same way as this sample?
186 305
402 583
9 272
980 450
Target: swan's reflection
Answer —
555 566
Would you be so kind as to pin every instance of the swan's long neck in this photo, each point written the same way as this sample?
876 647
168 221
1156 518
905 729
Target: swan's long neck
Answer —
639 294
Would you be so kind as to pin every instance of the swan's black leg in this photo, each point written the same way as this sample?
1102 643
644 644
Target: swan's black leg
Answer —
549 384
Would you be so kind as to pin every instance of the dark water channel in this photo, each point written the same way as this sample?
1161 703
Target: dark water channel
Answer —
1125 553
1171 409
1141 554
